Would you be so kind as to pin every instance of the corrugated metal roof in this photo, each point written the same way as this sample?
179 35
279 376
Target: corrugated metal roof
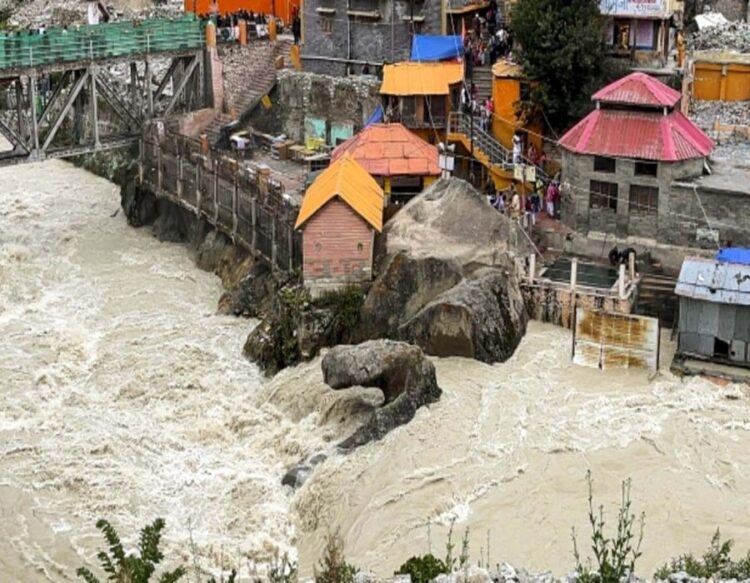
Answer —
346 179
646 135
638 89
712 281
390 150
413 78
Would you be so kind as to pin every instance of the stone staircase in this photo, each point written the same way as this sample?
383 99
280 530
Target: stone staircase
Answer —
482 78
249 74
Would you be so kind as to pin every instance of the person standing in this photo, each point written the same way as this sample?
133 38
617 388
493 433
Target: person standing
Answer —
515 204
550 199
517 148
297 29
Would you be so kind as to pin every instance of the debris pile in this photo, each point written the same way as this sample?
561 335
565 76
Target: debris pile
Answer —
732 36
706 113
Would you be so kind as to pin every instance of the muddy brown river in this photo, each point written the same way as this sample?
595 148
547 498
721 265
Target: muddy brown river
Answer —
123 395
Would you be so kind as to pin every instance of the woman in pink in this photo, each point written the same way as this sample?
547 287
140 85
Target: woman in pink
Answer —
551 199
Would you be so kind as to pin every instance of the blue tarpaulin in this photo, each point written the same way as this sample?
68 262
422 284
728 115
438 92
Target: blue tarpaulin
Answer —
376 117
436 48
734 255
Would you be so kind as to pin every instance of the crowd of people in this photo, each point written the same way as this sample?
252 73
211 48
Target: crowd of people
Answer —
525 207
227 25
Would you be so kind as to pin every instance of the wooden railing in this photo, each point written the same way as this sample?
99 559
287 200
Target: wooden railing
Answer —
245 204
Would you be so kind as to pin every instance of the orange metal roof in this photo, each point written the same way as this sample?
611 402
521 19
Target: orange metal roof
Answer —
389 149
413 78
346 179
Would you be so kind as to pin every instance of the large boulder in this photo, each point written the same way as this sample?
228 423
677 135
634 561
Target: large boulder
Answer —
454 221
483 317
406 377
403 288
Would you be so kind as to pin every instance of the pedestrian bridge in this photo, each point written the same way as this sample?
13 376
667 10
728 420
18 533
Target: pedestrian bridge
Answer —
59 48
88 88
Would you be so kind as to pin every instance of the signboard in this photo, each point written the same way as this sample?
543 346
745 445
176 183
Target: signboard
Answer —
605 340
524 173
642 8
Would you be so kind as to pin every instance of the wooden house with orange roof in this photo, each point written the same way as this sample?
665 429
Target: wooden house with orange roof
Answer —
340 214
399 160
420 95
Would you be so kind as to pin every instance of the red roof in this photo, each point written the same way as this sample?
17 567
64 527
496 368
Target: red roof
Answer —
638 89
646 135
389 149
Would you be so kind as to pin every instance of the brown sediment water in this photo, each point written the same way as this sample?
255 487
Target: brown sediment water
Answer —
123 395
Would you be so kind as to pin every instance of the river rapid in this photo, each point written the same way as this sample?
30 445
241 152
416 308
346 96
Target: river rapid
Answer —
123 395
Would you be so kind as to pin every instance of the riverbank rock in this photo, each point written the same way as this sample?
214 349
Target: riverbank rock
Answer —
139 205
483 317
400 370
448 281
405 286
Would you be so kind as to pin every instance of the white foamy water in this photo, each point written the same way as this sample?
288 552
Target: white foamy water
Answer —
124 396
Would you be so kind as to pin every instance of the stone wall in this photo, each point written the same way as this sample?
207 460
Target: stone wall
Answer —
623 221
337 28
349 100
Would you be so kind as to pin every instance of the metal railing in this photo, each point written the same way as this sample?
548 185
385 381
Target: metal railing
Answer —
99 42
498 155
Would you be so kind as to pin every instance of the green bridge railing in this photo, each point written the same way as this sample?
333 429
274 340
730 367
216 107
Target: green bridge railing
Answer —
100 41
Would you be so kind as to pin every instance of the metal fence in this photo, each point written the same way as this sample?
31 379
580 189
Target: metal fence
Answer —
249 207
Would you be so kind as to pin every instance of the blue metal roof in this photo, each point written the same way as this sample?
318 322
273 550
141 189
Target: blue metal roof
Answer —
734 255
713 281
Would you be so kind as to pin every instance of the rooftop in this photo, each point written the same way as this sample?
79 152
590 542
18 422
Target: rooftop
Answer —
713 281
645 135
411 78
345 179
638 89
390 150
725 177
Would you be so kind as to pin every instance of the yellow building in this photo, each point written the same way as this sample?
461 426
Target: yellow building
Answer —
508 87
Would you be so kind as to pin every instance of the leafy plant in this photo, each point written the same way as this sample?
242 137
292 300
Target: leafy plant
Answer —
616 556
422 569
231 579
346 305
282 570
133 568
333 565
716 563
450 561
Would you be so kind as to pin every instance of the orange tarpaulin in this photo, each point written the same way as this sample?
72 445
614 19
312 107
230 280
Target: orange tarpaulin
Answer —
281 8
412 78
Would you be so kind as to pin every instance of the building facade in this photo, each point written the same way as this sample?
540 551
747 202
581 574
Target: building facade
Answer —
714 319
338 34
340 214
641 30
625 160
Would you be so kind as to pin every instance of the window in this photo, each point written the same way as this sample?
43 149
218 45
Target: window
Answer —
646 168
603 195
408 111
602 164
644 199
435 105
360 247
326 24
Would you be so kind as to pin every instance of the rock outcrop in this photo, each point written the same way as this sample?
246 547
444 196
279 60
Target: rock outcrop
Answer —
483 317
448 282
400 370
404 287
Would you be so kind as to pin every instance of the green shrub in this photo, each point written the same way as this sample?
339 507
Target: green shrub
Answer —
346 305
616 556
333 565
716 563
423 569
135 568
